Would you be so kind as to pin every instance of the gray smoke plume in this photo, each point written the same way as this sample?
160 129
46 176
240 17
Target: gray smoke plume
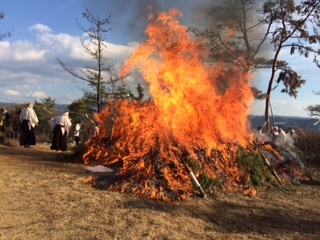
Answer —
129 18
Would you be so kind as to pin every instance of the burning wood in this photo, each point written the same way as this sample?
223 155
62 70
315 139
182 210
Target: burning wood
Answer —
191 121
149 165
269 165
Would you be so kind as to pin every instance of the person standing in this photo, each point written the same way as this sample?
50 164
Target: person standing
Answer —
292 137
77 132
61 129
29 120
93 131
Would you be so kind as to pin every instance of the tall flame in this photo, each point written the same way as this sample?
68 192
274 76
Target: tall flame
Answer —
184 88
191 118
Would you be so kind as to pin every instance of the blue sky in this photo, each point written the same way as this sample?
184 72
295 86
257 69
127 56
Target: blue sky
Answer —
44 30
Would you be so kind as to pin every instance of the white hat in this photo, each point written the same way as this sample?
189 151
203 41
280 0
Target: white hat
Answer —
66 113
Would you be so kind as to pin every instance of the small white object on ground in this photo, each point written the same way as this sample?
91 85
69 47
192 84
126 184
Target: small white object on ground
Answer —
99 168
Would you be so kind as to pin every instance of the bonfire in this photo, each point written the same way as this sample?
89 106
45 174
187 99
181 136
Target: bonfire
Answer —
192 129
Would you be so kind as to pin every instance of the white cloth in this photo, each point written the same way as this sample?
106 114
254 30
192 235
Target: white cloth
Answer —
63 121
99 168
29 114
77 130
291 138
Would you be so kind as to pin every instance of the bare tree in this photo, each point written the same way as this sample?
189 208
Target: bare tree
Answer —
94 44
295 26
6 34
236 34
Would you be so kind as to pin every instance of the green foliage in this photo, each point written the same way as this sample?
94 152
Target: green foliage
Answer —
79 108
254 168
45 109
206 181
140 92
314 110
121 92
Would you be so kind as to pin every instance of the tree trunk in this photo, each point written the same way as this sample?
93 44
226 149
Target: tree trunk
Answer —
268 94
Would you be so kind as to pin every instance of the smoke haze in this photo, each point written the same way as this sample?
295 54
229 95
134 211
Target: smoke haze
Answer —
129 18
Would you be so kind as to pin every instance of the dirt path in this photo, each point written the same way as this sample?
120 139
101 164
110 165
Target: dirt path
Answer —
44 197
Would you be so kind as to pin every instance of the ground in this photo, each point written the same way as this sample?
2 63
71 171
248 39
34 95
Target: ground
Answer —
43 196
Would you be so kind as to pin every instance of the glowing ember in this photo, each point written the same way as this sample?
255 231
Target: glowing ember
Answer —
189 121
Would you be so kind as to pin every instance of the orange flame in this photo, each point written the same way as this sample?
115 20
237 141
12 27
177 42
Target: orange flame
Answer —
191 117
191 107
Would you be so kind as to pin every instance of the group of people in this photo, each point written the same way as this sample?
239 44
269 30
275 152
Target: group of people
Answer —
278 136
60 127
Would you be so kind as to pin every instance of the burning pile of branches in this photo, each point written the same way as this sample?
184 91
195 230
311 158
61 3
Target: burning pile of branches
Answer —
149 163
191 123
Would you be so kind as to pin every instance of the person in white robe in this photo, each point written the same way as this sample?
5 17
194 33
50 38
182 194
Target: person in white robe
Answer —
292 137
29 120
77 132
62 125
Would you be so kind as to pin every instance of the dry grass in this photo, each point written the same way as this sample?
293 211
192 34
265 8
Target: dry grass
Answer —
44 197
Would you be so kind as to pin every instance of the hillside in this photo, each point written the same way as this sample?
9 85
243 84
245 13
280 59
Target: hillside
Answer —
286 122
59 107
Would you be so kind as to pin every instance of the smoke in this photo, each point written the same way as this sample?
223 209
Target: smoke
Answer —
129 18
129 22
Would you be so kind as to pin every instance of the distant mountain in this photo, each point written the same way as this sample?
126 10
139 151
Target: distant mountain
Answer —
62 107
285 122
8 105
59 107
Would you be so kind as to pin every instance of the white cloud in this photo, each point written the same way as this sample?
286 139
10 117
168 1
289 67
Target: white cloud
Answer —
40 28
20 51
11 93
286 107
120 53
37 95
4 51
32 67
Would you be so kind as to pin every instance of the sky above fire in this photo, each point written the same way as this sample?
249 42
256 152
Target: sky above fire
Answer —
43 30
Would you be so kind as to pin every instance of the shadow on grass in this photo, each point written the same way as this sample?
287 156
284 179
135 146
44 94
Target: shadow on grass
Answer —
41 154
225 216
311 182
